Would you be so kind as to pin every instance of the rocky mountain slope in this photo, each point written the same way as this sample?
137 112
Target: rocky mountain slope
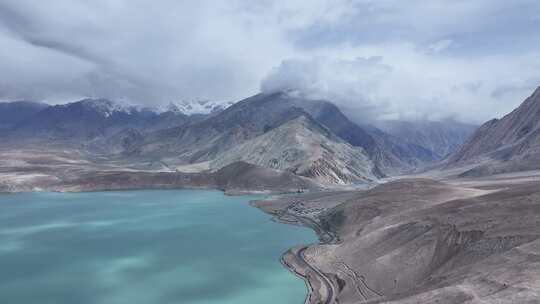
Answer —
269 130
204 140
390 154
290 138
306 148
262 113
511 143
439 137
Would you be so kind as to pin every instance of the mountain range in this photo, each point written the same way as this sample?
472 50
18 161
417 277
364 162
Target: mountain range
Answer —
306 137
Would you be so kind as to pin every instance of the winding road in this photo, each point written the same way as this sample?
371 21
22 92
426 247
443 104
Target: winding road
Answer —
327 293
328 290
328 286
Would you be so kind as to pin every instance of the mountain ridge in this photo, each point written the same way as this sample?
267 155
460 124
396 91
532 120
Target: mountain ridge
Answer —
511 143
339 150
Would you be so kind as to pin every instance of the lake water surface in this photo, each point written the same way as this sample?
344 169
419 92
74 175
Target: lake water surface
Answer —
152 247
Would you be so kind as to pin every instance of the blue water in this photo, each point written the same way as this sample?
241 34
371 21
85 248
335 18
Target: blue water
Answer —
143 247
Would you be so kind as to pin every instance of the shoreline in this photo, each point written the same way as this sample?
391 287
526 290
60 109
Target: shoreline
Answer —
320 287
226 191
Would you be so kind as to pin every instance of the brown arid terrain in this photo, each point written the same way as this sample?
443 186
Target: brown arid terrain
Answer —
418 240
69 170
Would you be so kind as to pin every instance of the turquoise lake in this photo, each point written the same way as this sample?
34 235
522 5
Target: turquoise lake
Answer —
171 246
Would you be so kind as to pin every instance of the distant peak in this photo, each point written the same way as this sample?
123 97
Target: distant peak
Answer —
191 107
105 106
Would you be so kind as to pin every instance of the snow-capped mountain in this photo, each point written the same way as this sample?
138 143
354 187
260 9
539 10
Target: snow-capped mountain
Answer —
91 118
108 107
196 107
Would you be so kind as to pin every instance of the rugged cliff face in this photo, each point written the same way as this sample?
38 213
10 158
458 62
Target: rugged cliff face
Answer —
511 143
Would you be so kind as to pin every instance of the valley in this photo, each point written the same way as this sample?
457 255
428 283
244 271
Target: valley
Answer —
312 141
270 152
434 216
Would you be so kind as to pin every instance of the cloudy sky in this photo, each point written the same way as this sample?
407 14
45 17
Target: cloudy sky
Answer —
465 59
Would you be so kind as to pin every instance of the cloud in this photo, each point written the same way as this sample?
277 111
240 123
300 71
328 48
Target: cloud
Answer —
349 83
417 84
136 50
472 60
440 45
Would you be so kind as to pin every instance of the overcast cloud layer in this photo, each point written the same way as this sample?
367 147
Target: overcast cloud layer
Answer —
466 59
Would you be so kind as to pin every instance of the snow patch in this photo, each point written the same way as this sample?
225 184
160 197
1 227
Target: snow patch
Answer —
196 107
